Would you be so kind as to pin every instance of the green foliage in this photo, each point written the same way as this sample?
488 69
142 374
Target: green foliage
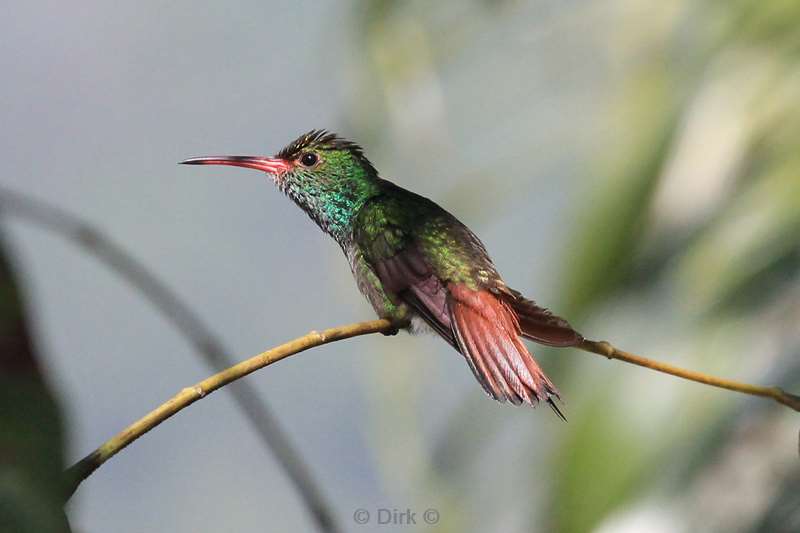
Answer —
31 440
729 263
599 464
612 220
684 245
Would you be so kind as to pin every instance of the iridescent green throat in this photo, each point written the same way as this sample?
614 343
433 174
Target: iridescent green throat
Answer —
333 191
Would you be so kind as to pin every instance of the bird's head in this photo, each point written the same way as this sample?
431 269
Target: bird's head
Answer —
315 157
327 175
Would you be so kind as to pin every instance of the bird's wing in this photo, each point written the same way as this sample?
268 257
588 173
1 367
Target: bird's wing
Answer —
475 321
437 266
409 276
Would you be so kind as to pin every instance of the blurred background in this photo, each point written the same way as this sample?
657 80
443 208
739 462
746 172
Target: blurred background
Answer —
631 164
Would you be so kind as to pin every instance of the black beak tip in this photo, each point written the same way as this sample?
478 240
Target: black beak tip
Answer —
191 161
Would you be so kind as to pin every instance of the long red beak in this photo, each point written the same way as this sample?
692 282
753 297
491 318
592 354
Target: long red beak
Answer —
270 165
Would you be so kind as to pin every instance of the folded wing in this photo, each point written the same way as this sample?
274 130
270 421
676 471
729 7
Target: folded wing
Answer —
483 325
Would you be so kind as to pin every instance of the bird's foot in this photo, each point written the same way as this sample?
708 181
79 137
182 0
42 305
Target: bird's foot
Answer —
395 329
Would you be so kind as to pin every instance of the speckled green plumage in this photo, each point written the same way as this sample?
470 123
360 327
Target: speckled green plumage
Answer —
333 193
395 219
391 221
373 220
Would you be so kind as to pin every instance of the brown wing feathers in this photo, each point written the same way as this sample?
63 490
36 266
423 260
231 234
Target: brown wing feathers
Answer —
485 325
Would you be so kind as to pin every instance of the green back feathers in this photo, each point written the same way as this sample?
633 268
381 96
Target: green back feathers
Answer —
389 223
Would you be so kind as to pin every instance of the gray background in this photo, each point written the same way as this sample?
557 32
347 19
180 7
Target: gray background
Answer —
100 100
498 111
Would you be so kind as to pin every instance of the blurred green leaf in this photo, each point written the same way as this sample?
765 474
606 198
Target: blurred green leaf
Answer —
758 232
597 466
744 253
772 22
611 220
31 439
733 69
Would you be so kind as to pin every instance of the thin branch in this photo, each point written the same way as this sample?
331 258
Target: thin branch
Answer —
183 318
189 395
776 393
192 327
84 468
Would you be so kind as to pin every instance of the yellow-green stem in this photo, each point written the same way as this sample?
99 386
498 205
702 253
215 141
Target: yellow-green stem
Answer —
84 468
608 350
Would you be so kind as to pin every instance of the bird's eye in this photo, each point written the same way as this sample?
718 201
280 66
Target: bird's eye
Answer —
309 159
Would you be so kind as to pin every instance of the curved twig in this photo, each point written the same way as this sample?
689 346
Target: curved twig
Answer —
78 231
184 319
608 350
187 396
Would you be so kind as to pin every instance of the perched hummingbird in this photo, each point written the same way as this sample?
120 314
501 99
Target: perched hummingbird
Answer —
416 263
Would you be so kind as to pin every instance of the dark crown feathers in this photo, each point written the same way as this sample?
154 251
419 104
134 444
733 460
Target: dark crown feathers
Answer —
323 140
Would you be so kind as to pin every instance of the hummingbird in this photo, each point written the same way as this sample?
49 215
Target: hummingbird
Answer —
417 265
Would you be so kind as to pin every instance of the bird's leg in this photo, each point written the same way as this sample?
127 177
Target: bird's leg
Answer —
397 325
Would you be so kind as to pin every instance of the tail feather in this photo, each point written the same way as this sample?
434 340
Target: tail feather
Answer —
556 410
487 332
538 323
483 368
500 363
